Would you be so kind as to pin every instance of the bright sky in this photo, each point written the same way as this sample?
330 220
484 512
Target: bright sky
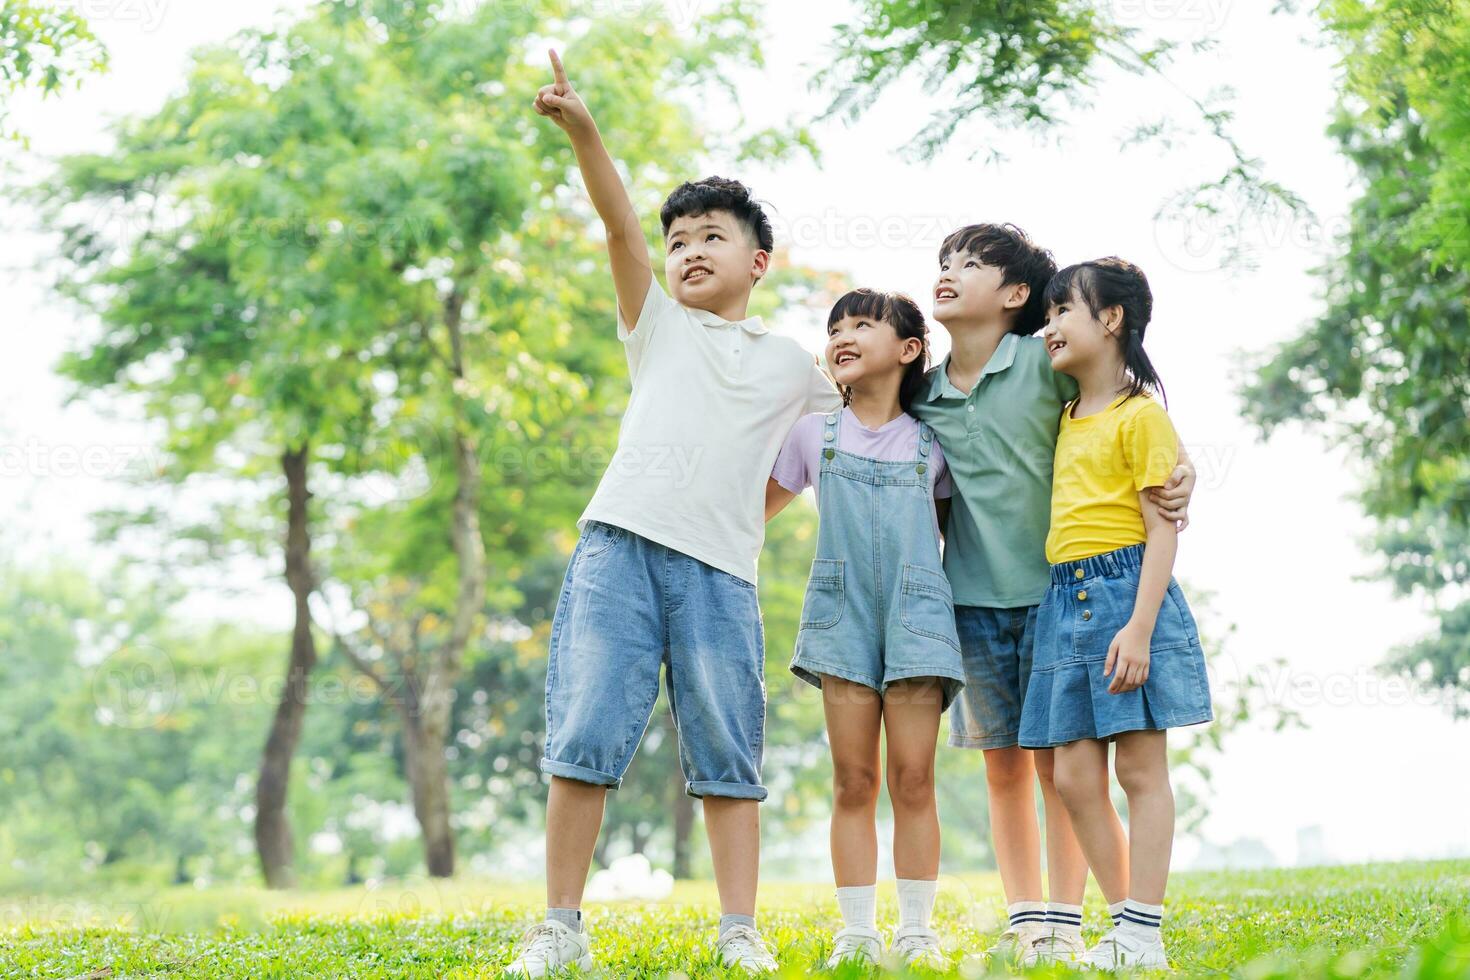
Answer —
1275 535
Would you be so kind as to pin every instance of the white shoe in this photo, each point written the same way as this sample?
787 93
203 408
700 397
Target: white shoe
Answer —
918 946
855 943
1054 947
1015 942
548 947
742 946
1120 951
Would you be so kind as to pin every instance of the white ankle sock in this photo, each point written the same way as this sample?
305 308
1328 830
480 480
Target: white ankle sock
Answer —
1142 921
1064 920
1115 912
571 918
915 902
859 906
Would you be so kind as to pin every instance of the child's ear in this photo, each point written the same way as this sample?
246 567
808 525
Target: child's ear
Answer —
1112 319
1019 293
760 264
912 348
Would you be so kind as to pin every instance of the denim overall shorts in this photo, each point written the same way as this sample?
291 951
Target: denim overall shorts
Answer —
878 608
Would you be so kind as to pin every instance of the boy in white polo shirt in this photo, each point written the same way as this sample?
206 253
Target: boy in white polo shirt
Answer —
664 572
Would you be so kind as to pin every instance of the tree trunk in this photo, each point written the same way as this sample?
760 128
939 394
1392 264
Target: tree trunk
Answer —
272 831
428 779
426 728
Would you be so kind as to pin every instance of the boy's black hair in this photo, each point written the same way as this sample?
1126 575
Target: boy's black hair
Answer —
1019 259
1112 281
696 197
907 320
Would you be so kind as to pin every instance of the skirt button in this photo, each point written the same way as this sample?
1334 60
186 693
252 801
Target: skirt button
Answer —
1086 614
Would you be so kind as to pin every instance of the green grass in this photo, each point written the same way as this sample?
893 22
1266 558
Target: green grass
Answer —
1403 920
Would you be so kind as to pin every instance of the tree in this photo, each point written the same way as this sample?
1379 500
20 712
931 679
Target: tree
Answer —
1028 63
43 47
1385 369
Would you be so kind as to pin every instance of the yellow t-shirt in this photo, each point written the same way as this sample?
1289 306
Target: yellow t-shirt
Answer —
1102 462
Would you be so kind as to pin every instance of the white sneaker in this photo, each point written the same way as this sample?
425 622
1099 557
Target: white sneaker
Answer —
1014 942
1054 947
742 946
1120 951
855 943
548 947
918 946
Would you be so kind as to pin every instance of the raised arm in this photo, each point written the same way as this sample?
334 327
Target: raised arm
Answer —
626 249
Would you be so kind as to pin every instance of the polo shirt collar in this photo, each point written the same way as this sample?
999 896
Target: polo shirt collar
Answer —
1003 358
751 324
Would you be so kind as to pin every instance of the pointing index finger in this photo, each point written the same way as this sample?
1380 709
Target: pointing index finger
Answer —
558 71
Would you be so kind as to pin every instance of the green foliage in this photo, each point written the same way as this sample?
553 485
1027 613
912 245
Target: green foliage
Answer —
1384 369
45 47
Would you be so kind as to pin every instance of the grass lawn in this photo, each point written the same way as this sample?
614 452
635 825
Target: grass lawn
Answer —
1409 920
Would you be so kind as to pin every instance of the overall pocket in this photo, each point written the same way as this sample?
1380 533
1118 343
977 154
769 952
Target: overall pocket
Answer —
825 599
928 604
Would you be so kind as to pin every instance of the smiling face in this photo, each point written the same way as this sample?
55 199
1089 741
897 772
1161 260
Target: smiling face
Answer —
711 263
1075 338
970 291
862 350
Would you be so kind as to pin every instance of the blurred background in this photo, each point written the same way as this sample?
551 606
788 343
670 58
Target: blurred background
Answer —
309 367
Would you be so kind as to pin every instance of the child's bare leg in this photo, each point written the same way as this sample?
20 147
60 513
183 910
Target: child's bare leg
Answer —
911 711
1010 779
573 820
1082 783
854 723
734 830
1142 764
1066 866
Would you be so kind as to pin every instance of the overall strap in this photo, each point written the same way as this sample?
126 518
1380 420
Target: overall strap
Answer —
926 443
829 437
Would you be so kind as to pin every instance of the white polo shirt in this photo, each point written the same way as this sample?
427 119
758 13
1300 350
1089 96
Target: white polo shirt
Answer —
712 402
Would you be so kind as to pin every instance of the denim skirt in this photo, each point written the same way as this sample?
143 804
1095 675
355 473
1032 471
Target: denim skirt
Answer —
1067 698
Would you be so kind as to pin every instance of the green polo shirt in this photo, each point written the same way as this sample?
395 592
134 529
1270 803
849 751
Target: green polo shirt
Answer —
999 441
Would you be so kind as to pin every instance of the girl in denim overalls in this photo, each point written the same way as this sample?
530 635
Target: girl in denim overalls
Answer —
877 625
1118 657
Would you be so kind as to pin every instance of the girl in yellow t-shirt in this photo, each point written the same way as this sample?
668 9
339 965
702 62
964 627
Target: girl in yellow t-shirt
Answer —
1118 656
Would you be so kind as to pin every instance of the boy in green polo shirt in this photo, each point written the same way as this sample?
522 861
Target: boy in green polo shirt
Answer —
996 404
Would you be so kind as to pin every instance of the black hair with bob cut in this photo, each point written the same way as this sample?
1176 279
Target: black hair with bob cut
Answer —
907 320
1018 258
1106 282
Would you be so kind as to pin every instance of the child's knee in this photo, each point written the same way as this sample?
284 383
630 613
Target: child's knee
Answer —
1079 786
1046 767
1141 776
854 787
1009 770
911 787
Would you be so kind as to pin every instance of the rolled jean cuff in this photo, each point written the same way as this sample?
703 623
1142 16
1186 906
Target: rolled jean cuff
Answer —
732 791
580 773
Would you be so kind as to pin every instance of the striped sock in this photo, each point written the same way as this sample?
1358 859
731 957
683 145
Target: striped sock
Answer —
1142 921
1115 912
1064 920
1021 913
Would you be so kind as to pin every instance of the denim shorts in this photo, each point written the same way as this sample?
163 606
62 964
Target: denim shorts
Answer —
628 607
996 646
1088 603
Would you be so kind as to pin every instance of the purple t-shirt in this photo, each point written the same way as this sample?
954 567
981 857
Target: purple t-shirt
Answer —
800 462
